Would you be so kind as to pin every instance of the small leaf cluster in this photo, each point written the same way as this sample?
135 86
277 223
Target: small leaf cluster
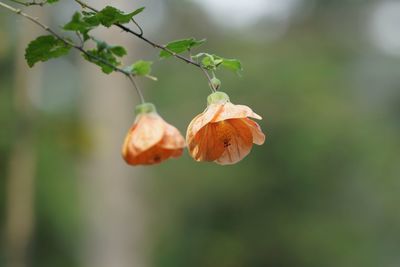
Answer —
109 57
108 16
105 56
212 62
208 61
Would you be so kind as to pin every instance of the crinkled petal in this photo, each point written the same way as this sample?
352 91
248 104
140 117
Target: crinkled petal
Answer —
238 141
205 145
258 135
202 119
231 111
127 147
172 138
149 131
153 155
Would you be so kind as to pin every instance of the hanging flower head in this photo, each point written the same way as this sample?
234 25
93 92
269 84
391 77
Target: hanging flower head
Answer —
151 140
223 133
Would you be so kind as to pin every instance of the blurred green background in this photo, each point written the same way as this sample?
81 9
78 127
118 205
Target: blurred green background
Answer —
322 191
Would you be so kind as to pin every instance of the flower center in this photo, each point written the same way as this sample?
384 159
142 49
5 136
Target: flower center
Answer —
225 134
227 142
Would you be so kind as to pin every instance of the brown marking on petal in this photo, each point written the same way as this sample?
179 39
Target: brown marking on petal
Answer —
241 141
152 156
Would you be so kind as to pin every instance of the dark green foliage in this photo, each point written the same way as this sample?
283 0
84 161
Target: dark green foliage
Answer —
99 57
77 24
105 56
181 46
110 15
44 48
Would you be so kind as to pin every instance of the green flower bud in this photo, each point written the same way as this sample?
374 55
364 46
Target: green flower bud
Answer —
216 83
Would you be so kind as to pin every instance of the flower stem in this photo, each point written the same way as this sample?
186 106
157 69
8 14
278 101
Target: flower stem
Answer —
152 43
213 89
130 77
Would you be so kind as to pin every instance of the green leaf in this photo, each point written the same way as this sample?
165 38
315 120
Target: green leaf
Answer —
44 48
77 24
232 64
137 11
91 18
119 51
141 68
110 15
101 45
99 57
52 1
180 46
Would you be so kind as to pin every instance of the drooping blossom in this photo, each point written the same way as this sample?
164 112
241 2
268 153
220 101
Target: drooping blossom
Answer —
151 140
224 132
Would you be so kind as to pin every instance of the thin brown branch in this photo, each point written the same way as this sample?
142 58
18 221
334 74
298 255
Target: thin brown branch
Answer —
71 44
33 3
152 43
138 26
140 36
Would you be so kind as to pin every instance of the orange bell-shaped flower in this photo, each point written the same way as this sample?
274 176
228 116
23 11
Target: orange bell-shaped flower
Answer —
151 140
223 133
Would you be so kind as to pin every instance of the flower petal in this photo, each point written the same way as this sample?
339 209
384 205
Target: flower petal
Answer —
172 138
231 111
149 131
238 141
153 155
201 120
205 145
258 135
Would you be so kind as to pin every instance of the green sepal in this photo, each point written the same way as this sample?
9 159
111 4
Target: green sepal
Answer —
145 108
217 97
